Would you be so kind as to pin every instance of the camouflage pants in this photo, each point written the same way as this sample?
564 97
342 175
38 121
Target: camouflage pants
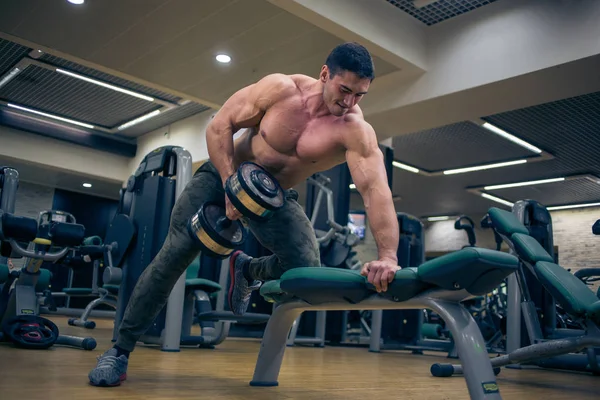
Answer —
288 234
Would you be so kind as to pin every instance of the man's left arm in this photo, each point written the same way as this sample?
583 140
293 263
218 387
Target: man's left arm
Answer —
367 168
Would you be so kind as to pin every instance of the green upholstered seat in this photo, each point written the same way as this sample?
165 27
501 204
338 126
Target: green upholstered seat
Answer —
317 285
4 273
43 280
78 291
568 290
192 282
202 284
594 311
112 289
474 269
529 249
506 223
406 285
271 292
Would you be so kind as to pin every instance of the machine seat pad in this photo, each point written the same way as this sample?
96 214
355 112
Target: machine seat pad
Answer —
92 241
78 291
318 285
529 249
271 292
112 289
4 273
569 291
202 284
477 270
506 223
594 312
405 286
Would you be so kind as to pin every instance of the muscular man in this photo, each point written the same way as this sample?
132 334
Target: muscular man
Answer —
296 126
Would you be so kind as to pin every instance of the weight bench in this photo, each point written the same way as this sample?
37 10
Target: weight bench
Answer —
571 293
440 284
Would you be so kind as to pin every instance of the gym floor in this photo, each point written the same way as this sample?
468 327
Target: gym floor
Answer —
223 373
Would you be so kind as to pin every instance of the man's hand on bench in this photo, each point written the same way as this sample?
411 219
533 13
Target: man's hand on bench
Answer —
380 273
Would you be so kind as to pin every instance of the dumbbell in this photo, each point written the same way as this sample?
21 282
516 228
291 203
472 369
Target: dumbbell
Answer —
254 192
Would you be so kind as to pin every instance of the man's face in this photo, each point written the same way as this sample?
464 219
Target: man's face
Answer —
343 91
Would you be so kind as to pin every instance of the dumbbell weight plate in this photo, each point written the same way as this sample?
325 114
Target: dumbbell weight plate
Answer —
254 191
216 241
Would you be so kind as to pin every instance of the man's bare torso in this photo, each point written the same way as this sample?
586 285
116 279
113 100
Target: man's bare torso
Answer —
291 143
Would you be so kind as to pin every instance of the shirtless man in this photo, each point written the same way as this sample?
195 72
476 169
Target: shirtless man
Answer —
296 126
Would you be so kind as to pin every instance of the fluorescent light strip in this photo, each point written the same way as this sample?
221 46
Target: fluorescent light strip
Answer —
528 183
138 120
106 85
497 199
70 121
510 137
441 218
14 72
405 167
483 167
569 206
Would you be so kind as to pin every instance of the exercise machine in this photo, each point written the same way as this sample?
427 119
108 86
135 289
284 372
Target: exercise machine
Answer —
110 253
148 200
532 304
19 307
571 293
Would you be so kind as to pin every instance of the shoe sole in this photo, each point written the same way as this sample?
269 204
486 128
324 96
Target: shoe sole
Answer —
232 259
104 383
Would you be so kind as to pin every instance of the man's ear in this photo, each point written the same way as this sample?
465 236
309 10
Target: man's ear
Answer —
324 73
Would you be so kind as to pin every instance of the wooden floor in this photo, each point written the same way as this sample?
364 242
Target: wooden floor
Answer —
307 373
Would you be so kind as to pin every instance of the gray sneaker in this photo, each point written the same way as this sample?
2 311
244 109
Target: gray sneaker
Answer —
239 289
110 370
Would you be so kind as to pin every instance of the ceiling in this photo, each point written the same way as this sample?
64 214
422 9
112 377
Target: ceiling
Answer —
62 179
165 49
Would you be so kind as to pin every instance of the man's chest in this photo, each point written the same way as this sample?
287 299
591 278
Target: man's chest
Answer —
292 131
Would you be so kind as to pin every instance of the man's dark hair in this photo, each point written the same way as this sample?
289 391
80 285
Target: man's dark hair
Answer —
351 57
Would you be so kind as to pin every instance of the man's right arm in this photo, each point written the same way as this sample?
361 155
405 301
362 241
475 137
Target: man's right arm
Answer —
244 109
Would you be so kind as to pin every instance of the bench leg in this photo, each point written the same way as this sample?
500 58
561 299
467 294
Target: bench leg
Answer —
273 344
476 363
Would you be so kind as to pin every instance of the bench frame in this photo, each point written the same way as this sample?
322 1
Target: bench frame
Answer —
477 368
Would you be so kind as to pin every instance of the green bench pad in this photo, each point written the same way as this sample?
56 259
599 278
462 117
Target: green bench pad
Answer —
4 273
92 241
78 291
594 311
202 284
271 292
568 290
112 289
477 270
317 285
506 223
529 249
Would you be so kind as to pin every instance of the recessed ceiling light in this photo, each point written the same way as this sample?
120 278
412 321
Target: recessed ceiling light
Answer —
76 1
223 58
87 185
